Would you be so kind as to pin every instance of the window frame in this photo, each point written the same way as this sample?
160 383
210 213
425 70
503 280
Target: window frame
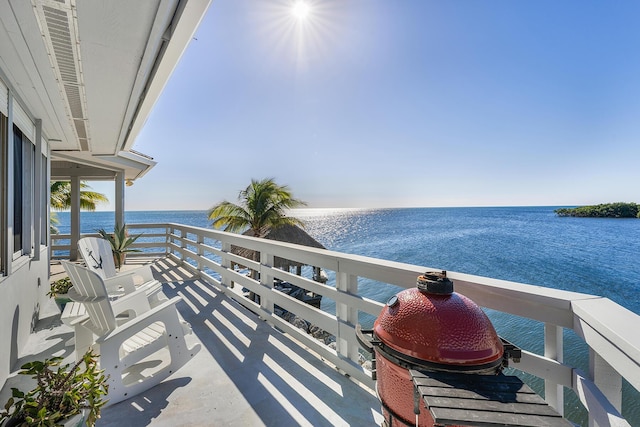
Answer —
4 133
18 193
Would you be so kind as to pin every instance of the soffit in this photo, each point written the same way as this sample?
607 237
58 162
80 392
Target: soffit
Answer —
86 165
89 68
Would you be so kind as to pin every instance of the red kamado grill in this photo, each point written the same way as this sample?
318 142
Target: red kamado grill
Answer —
430 329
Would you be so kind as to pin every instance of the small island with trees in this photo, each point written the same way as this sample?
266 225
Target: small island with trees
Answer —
605 210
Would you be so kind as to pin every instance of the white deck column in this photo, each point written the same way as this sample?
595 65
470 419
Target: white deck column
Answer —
119 195
75 217
553 349
226 264
346 344
200 251
266 279
607 379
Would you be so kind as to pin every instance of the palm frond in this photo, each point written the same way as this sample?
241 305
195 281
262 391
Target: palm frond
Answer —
263 205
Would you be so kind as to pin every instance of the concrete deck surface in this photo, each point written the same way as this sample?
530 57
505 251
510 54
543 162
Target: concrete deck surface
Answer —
246 374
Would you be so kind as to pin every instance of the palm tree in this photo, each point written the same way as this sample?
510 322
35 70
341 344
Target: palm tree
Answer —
61 196
262 208
263 205
61 199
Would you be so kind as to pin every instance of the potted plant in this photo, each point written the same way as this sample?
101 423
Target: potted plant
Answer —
120 242
69 395
59 290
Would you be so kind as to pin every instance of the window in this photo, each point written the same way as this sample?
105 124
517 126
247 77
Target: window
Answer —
44 224
23 181
3 191
17 190
28 193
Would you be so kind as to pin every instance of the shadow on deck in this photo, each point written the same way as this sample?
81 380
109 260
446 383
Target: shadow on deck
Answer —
247 373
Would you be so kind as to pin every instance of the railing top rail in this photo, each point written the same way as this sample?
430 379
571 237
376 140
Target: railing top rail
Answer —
392 272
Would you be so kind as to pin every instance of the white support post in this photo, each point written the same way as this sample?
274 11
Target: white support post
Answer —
226 264
167 239
553 349
170 231
200 251
75 217
266 279
346 315
607 379
183 245
119 196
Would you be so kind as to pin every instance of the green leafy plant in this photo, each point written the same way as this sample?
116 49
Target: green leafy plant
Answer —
58 291
60 287
60 393
120 242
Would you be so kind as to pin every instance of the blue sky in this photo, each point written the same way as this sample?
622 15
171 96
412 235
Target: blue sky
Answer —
380 103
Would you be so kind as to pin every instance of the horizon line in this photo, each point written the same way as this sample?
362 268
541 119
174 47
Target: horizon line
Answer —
350 208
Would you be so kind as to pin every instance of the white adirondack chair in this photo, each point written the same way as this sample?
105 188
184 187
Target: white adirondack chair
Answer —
98 258
128 348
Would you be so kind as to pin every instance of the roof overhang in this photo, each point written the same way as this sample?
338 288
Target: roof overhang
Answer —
103 167
92 71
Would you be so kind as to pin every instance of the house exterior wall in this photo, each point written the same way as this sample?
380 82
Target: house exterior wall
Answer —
24 236
21 296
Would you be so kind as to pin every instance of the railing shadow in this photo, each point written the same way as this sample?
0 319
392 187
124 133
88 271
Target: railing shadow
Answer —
144 408
248 372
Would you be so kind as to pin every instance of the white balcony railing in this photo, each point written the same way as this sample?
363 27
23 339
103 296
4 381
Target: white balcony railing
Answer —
609 330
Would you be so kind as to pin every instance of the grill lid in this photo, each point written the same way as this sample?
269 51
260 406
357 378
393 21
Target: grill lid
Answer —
442 328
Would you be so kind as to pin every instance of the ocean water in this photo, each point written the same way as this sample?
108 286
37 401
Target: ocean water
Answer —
523 244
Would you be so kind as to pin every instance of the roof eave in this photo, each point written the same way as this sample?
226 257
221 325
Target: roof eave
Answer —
188 17
134 165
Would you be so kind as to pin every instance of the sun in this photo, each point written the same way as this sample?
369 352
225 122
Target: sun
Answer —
300 10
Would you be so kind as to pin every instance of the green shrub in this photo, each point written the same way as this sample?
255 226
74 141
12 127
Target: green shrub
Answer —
59 394
606 210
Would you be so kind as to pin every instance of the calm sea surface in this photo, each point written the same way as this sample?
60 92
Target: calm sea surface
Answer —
523 244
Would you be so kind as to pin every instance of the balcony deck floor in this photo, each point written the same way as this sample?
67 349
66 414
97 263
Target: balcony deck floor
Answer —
247 373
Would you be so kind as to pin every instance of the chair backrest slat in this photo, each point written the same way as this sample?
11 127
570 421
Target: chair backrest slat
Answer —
89 289
98 256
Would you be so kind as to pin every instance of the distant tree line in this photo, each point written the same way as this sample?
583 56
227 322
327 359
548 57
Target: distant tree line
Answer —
605 210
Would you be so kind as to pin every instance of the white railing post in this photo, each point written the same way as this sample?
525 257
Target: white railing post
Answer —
170 231
266 279
608 381
226 264
199 251
183 235
167 233
347 317
553 349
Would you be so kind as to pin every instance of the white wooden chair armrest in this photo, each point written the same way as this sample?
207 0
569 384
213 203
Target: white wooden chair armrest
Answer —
154 292
136 302
120 284
165 312
144 272
151 287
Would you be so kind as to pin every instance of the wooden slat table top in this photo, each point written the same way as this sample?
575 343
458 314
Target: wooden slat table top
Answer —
483 400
